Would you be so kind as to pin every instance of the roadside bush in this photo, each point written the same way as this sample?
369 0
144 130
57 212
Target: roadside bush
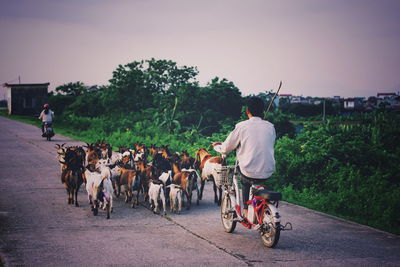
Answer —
349 170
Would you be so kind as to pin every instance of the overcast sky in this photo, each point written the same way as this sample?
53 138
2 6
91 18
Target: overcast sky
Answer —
316 47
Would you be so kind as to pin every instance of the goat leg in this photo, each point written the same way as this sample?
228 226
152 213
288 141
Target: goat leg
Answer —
108 208
215 192
76 197
220 195
202 188
198 199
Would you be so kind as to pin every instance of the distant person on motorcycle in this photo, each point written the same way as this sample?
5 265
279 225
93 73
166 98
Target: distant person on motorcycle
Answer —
254 141
47 116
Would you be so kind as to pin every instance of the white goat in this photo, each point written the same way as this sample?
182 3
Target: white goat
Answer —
115 171
108 175
116 157
166 178
93 181
156 193
99 188
138 156
175 195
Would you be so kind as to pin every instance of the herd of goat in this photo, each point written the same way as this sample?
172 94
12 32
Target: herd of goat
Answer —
160 175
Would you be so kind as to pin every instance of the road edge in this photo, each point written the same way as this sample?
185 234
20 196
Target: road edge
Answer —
343 220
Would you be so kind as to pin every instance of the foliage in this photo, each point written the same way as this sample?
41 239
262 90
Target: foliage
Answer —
140 85
345 169
59 103
86 105
282 123
220 101
72 89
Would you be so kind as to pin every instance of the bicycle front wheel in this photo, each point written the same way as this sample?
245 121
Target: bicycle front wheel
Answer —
271 231
228 214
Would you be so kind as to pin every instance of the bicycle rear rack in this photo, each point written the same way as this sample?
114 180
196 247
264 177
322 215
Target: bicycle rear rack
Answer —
288 226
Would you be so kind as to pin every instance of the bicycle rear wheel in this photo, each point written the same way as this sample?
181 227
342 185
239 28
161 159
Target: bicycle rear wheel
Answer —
270 231
228 214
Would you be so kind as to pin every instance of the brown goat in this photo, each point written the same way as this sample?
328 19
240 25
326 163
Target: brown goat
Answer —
207 164
187 180
147 173
129 181
73 175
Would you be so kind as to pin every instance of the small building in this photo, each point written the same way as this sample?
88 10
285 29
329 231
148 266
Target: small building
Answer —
299 100
284 98
295 99
353 104
26 99
336 100
388 101
285 95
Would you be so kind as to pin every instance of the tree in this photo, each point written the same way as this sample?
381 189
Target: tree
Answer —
87 105
267 96
72 88
282 123
142 84
220 100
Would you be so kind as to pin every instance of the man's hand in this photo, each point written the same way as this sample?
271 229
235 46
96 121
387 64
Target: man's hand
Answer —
216 143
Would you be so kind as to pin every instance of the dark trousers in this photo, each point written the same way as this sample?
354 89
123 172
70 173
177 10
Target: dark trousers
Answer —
246 184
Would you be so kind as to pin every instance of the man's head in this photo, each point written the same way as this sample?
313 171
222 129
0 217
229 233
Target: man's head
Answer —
46 106
255 106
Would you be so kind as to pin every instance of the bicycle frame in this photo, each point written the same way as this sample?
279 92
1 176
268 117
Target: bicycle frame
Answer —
263 214
259 208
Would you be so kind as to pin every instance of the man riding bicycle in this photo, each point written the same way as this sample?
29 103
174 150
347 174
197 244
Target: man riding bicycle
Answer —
254 141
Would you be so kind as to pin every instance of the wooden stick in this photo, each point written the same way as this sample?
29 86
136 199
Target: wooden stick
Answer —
272 100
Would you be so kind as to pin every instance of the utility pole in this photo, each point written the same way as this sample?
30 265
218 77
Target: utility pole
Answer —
19 79
323 112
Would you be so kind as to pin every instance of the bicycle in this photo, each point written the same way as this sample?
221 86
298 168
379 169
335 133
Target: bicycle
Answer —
263 212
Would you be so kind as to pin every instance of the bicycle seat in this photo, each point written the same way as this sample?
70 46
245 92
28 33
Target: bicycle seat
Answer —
268 194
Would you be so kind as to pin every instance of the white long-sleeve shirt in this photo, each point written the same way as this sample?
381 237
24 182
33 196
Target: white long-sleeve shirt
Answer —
254 140
47 117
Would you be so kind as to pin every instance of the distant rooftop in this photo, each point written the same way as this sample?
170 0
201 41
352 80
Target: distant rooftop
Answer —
24 84
386 94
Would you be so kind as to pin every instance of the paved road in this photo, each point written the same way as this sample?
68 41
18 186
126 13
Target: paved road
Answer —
38 228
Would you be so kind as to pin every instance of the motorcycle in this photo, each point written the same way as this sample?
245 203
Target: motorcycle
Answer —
48 131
